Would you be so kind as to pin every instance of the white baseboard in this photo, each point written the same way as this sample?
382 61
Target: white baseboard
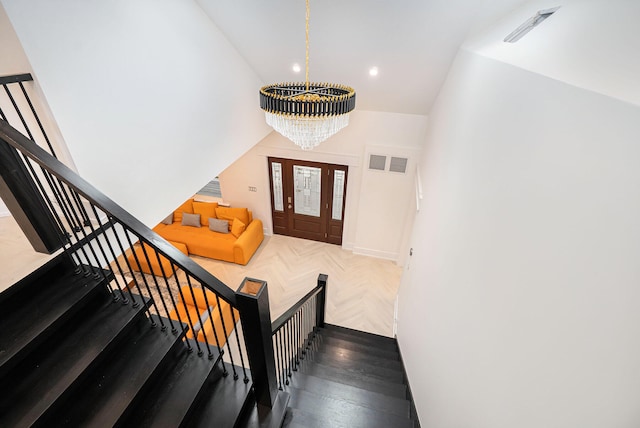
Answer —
387 255
347 246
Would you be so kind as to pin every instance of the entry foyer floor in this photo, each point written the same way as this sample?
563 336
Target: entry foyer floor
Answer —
362 290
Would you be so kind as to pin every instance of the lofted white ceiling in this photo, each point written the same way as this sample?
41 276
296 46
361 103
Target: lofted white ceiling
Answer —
411 42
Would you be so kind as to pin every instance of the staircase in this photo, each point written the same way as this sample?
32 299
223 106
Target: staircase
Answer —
79 346
72 356
352 379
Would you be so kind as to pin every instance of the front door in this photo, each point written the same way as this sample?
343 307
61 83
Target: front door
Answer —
308 199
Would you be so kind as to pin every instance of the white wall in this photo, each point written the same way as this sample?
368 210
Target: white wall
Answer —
592 44
14 61
519 306
151 98
376 202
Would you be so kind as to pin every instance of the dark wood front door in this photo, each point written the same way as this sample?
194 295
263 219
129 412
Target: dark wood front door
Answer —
308 199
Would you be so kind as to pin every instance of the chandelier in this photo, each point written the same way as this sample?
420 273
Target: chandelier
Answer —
307 113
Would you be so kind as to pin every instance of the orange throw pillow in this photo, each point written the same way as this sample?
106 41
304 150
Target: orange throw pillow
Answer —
229 214
237 228
186 207
206 210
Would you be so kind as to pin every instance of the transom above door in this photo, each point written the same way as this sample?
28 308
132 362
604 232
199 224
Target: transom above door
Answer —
308 199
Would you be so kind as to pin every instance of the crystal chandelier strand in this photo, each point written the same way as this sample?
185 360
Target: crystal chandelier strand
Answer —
307 132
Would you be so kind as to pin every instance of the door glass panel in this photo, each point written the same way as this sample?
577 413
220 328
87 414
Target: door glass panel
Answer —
338 194
276 173
306 185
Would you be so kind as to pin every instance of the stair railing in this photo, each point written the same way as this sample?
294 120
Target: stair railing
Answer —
294 331
276 348
60 211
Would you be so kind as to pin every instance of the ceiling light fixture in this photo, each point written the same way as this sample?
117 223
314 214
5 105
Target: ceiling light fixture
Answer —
307 113
373 71
530 24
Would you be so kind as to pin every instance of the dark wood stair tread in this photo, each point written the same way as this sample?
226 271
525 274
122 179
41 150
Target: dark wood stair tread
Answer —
342 413
351 394
40 379
347 344
175 393
29 322
115 386
348 378
227 399
377 342
375 338
296 418
340 353
358 367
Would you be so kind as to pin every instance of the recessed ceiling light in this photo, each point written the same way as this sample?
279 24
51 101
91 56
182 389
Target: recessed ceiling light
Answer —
373 71
296 68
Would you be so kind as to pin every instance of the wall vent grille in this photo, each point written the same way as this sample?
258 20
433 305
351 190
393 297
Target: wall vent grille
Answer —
398 165
377 162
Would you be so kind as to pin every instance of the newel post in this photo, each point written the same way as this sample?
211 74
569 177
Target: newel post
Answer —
321 300
252 299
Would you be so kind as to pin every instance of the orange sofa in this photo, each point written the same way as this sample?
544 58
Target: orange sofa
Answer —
237 246
155 268
204 321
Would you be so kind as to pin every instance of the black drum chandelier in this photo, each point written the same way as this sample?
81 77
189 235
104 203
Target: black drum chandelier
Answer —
307 113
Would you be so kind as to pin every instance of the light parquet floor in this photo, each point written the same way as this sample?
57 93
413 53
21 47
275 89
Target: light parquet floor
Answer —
361 290
17 257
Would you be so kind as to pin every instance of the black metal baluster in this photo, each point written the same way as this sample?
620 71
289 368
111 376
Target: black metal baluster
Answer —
142 275
35 115
209 319
224 331
274 339
166 283
235 323
296 332
130 269
287 348
96 239
175 307
280 349
115 260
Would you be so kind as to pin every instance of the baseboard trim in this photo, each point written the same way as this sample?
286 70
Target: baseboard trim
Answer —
387 255
413 414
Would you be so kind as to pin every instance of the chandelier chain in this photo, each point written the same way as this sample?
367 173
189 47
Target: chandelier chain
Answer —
306 58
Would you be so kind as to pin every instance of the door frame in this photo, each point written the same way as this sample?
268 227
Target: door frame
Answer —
283 222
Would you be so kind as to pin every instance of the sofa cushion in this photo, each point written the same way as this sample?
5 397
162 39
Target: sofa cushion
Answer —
237 227
200 301
206 210
190 220
186 207
168 219
217 225
155 268
229 214
201 241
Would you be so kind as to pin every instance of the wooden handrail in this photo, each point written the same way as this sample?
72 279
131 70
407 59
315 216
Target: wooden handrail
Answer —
27 147
5 80
282 319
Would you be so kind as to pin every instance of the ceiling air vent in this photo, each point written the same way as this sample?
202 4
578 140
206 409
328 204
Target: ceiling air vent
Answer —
377 162
398 165
529 24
